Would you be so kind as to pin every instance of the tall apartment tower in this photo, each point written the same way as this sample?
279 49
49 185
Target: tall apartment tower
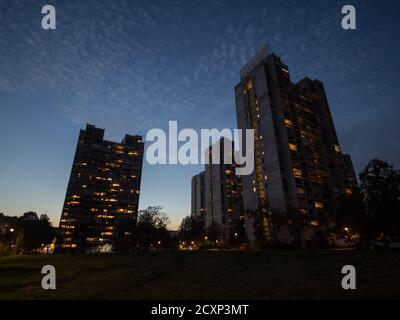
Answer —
102 197
199 197
222 189
299 164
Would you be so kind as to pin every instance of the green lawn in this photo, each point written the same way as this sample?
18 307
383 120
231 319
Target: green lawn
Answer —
204 275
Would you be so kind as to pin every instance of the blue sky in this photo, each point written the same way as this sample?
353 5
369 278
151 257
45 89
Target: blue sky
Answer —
129 66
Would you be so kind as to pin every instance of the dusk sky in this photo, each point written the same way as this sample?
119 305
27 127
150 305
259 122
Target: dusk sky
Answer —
130 66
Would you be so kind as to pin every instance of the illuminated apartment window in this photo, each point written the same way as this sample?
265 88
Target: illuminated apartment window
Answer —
300 190
314 223
303 211
136 153
249 85
292 147
297 172
288 123
349 191
318 205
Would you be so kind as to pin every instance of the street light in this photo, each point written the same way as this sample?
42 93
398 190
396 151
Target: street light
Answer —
11 230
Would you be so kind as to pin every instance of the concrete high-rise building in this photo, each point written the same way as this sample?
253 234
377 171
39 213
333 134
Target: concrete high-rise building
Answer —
299 165
102 197
199 197
222 189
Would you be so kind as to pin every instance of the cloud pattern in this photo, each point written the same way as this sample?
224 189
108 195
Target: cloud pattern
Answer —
130 66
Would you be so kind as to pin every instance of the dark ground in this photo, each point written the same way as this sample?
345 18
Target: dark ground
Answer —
204 275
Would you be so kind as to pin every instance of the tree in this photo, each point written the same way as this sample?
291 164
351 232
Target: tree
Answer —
191 229
380 187
35 231
30 216
214 232
261 217
20 243
297 224
237 234
352 213
151 227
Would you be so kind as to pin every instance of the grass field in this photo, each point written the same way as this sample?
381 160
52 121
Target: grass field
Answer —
204 275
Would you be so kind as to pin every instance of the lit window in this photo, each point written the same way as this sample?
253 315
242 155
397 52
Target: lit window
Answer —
249 85
297 172
318 205
314 223
288 123
337 148
292 147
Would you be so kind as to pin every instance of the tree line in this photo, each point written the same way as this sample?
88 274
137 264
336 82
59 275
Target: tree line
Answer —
371 211
24 234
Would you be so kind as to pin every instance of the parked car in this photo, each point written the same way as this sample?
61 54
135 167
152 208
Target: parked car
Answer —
378 244
394 244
